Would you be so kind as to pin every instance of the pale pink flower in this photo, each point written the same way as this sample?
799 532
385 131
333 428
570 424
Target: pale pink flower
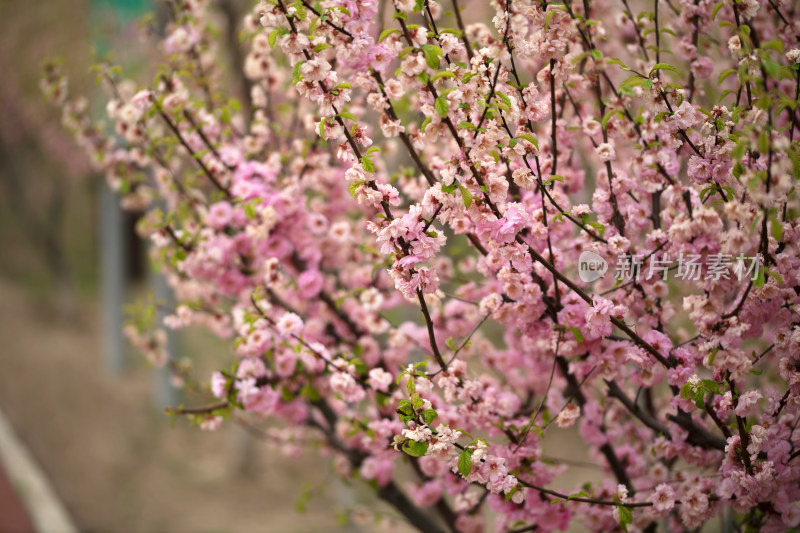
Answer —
568 416
747 403
346 386
380 379
315 69
605 151
703 67
309 283
419 433
218 384
211 423
663 499
290 324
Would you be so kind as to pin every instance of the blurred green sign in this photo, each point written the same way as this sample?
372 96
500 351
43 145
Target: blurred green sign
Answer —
125 10
118 12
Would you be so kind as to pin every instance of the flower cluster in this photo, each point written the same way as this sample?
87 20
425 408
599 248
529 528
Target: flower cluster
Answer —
387 231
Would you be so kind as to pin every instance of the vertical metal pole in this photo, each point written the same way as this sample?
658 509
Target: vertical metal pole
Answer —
165 394
112 274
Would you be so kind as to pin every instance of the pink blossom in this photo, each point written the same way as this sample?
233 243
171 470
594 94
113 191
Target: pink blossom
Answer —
290 324
211 423
514 219
663 499
747 403
219 215
568 416
605 151
218 384
381 470
703 67
310 283
419 433
345 385
380 379
427 494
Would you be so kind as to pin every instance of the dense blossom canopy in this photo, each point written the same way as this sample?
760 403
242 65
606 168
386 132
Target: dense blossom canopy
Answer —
392 229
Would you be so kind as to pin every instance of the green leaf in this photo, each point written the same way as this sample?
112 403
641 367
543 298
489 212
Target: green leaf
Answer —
724 74
432 55
419 5
775 275
425 124
415 449
442 74
465 462
698 401
615 61
387 32
467 126
308 391
428 415
711 385
402 55
273 36
410 387
511 493
600 228
296 71
368 165
776 228
662 66
348 115
597 55
739 150
548 17
716 9
763 142
442 106
772 68
636 81
530 138
322 128
625 518
686 391
466 195
353 186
